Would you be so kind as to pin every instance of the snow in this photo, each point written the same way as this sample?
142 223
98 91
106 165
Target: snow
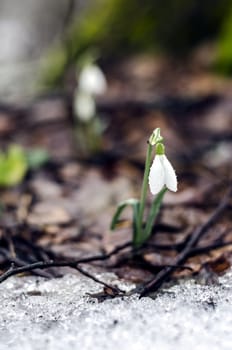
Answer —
59 314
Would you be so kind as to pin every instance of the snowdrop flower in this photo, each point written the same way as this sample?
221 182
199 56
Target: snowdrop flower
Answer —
161 172
84 106
92 80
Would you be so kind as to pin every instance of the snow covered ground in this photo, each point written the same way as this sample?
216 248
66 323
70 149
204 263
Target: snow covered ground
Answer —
58 314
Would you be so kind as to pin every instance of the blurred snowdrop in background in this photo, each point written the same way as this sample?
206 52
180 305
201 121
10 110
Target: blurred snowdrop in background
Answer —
88 126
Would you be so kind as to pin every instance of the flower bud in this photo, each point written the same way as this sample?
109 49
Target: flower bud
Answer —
155 137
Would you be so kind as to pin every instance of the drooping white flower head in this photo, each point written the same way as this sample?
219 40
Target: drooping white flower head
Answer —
162 172
92 80
84 106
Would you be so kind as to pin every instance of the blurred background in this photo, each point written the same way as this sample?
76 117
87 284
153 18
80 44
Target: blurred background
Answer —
55 33
82 86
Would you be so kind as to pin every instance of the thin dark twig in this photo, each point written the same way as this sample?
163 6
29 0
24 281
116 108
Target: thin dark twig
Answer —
19 262
92 277
216 244
41 264
51 263
153 267
206 249
172 246
37 252
164 274
181 267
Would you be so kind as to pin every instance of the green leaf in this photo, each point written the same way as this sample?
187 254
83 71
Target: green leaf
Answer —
13 166
136 225
36 158
129 202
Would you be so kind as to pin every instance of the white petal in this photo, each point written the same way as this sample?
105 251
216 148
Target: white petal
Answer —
170 175
92 80
84 106
156 176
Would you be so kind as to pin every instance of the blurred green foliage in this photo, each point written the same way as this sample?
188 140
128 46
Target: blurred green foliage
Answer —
15 162
224 55
119 27
13 166
36 158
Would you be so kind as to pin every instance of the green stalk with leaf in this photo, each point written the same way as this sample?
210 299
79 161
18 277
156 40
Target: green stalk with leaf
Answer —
159 175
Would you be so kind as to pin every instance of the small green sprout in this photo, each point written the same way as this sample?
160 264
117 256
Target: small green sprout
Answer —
13 166
15 162
160 176
36 158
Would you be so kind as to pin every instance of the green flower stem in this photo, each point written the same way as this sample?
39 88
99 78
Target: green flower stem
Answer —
143 193
153 214
142 232
135 224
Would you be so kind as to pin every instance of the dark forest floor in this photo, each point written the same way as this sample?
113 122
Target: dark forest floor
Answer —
63 210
